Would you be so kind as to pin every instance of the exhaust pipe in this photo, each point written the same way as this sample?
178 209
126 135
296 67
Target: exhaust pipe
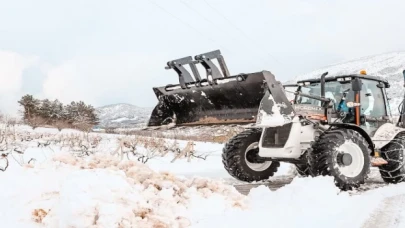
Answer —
323 84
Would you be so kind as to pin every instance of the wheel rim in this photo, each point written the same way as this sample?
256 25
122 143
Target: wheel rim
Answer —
349 151
258 167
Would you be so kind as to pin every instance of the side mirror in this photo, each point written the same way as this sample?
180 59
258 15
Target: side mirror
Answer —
357 85
380 85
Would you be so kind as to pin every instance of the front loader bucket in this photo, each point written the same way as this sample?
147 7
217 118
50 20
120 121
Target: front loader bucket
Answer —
233 100
218 99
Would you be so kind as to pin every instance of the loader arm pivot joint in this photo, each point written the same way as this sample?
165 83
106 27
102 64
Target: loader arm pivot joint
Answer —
185 77
211 69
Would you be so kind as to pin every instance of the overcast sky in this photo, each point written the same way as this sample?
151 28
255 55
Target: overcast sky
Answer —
105 52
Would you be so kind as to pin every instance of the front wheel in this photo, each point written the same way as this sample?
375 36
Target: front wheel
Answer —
239 154
343 154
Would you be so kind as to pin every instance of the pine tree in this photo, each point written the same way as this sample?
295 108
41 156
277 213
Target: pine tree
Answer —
45 110
56 110
93 115
76 114
31 106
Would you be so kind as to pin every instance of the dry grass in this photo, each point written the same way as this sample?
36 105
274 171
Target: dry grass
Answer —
201 136
145 148
36 122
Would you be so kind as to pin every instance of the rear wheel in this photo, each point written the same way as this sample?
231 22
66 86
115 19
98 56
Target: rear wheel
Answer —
239 160
393 153
343 154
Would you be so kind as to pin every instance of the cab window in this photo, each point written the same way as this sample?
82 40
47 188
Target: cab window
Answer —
333 90
372 99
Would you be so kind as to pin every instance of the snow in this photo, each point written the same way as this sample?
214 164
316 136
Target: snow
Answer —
275 119
120 119
104 192
385 134
118 115
101 190
223 81
306 202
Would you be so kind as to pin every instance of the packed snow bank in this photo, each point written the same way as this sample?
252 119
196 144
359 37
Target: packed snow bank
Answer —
306 202
101 191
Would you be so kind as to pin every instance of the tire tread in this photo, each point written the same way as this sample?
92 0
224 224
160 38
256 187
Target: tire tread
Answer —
233 160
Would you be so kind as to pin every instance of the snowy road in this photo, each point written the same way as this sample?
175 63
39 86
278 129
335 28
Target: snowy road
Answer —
388 214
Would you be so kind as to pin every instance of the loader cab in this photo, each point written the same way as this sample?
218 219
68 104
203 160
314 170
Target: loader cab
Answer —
367 108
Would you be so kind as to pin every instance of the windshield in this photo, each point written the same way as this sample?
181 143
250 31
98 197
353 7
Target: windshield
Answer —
333 90
290 90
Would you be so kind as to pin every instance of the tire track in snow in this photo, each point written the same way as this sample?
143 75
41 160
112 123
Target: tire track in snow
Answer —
388 214
274 185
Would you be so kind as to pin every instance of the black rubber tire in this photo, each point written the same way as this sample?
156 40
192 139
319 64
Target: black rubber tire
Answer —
393 152
233 157
322 157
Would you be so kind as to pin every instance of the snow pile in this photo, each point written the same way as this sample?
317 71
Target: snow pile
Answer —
101 191
306 202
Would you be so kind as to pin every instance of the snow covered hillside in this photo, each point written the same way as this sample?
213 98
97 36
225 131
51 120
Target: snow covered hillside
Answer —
123 115
388 66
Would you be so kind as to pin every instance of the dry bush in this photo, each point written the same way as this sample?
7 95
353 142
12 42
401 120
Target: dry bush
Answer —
137 147
38 215
36 121
154 147
80 144
17 142
83 126
4 162
61 124
11 143
145 148
111 130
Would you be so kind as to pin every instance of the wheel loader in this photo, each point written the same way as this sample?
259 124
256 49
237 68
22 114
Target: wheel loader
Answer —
335 125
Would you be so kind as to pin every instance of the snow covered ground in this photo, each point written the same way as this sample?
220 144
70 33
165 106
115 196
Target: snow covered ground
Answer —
58 189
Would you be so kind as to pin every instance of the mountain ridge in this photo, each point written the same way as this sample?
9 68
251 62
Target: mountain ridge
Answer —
122 115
